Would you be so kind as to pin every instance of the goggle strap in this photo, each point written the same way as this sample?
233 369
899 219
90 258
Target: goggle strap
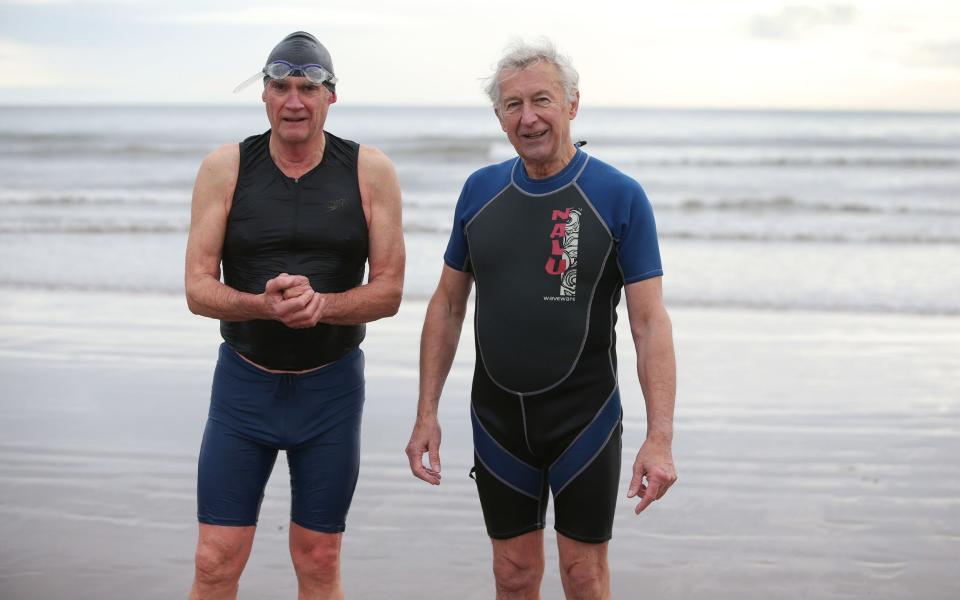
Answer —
254 77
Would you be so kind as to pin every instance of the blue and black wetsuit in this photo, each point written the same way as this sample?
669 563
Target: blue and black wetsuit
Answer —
314 226
550 257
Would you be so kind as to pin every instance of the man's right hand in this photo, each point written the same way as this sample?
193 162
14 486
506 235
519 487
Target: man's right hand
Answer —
286 298
425 439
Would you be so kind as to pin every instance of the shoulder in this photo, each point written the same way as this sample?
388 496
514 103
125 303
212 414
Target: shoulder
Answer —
377 177
485 183
496 173
220 166
606 179
375 170
372 161
618 198
224 157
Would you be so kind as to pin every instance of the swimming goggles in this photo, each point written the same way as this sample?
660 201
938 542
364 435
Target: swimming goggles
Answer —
281 69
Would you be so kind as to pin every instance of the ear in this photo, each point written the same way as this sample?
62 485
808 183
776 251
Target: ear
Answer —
333 96
263 94
575 105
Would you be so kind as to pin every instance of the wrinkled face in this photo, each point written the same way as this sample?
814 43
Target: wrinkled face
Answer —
535 114
296 108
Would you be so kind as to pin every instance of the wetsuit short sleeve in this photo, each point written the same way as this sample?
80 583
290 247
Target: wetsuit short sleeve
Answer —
622 204
639 252
457 249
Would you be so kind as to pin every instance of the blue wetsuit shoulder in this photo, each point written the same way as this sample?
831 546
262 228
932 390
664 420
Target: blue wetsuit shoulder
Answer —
481 187
627 213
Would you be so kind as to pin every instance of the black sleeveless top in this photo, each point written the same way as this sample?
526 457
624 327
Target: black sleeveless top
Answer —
312 225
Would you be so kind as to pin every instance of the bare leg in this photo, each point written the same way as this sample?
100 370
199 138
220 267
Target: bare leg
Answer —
316 559
583 569
222 552
518 566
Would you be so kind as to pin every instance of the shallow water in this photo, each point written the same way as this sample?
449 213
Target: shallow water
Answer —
816 453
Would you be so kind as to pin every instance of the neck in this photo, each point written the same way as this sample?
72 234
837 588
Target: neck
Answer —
542 170
296 159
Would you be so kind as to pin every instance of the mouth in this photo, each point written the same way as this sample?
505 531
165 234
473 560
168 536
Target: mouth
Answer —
293 119
534 136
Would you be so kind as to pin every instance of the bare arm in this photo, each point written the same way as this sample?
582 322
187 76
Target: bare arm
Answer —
206 295
438 345
380 296
656 367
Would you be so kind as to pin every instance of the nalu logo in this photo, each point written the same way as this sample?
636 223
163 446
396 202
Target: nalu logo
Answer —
564 241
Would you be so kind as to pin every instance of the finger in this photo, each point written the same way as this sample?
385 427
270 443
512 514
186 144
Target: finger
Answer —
416 466
281 281
649 495
294 291
636 483
292 308
666 486
298 279
311 312
434 458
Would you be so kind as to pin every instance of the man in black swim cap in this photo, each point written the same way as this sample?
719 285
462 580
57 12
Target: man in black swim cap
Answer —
293 215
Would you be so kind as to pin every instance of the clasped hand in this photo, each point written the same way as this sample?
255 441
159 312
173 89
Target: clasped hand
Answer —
290 300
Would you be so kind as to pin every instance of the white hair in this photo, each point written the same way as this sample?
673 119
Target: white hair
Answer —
521 55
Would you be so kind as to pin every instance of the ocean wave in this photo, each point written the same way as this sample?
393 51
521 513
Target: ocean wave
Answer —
179 226
93 228
441 147
789 203
665 232
85 151
673 298
802 162
803 237
177 197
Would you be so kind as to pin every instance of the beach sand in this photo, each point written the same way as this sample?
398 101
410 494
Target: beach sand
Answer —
817 458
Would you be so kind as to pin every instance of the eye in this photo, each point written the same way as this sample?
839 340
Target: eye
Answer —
309 89
278 85
543 101
511 106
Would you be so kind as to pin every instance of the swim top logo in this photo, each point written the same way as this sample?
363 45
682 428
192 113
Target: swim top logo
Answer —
562 262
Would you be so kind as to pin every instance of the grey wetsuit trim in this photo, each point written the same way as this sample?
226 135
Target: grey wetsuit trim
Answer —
523 416
573 181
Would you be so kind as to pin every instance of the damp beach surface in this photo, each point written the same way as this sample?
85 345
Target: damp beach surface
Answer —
810 268
816 454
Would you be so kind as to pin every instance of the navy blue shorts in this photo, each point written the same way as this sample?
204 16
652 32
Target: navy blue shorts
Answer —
315 417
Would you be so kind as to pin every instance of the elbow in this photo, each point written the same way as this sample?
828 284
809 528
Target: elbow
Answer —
392 305
192 303
658 322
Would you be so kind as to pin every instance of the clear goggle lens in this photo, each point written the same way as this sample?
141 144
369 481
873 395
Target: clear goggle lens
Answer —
280 69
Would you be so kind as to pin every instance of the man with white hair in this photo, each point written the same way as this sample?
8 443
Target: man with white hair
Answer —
550 237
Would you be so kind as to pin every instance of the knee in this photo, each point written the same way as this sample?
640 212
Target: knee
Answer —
318 561
218 565
587 577
515 575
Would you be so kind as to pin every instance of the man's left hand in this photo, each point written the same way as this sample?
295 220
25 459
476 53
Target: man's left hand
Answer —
311 314
655 464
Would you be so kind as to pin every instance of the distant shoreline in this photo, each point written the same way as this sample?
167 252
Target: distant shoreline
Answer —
251 104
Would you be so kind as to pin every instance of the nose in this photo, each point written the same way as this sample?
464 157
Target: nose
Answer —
293 99
528 114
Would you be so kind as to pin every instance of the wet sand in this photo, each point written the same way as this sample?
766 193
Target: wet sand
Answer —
817 455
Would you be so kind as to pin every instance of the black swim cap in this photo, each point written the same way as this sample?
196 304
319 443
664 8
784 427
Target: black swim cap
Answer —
301 48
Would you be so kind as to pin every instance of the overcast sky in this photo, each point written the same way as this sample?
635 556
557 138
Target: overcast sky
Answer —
859 54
